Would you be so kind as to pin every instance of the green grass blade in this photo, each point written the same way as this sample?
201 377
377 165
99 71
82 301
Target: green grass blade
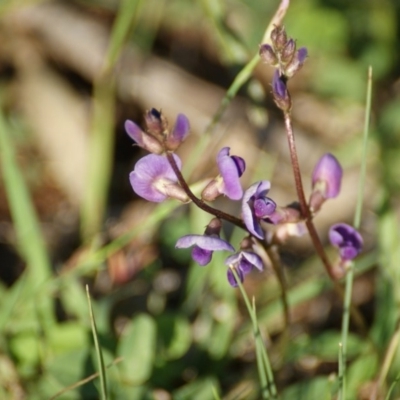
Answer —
268 388
30 241
102 136
99 354
124 23
350 272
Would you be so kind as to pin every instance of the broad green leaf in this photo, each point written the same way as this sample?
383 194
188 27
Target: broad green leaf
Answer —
137 346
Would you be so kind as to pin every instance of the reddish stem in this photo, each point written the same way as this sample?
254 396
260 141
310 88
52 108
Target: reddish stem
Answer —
305 210
200 203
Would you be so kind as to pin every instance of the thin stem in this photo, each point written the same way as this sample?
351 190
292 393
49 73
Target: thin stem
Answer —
302 199
319 248
200 203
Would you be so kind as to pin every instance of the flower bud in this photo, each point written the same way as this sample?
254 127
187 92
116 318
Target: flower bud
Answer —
268 55
178 133
288 51
296 63
279 37
156 123
280 92
326 180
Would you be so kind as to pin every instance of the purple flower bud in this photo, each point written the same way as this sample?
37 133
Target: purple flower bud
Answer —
156 123
178 133
280 92
231 169
143 139
154 179
327 176
297 62
347 239
268 55
256 195
205 245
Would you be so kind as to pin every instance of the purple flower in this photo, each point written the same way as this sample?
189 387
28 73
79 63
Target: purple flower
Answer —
347 239
327 176
143 139
280 92
178 133
243 262
204 246
154 179
231 168
255 206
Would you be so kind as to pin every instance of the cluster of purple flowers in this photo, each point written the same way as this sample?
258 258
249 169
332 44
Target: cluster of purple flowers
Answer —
157 177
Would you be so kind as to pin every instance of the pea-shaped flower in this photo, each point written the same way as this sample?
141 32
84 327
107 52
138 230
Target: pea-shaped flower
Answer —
154 179
347 239
231 168
205 245
243 263
256 206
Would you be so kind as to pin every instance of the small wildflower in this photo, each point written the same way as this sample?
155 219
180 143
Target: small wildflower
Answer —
255 206
205 245
231 168
347 239
154 179
243 263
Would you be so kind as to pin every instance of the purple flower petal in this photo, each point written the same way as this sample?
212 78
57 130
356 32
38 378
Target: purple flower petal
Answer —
212 243
347 239
302 54
231 277
231 168
245 261
134 132
264 207
254 259
327 176
181 128
255 191
151 174
278 86
201 256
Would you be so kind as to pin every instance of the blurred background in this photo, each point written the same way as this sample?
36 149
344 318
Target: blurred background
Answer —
71 73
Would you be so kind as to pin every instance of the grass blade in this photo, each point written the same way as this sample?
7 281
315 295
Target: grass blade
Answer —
350 272
30 241
99 354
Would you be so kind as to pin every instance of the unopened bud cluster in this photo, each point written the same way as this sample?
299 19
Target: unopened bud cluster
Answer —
282 54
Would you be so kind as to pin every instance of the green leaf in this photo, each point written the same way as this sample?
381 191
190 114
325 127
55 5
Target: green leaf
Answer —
175 335
137 347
